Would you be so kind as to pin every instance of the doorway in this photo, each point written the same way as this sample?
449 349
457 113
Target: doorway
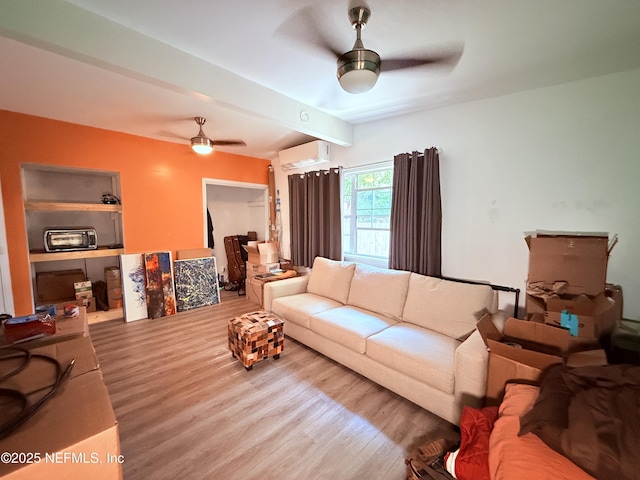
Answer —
235 208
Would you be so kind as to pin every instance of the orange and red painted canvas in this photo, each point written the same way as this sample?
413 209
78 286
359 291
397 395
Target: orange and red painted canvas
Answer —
161 300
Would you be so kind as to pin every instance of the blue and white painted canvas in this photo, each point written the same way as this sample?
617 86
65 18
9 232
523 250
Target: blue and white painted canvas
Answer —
133 291
196 283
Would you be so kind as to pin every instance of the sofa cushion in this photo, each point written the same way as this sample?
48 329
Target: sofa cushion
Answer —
299 308
379 290
419 353
331 279
447 307
349 326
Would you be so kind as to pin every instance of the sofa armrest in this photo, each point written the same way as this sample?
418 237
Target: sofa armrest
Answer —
499 318
471 365
283 288
471 360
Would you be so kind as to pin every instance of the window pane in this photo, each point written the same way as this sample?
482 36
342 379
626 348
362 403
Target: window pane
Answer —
382 198
366 213
364 199
374 179
363 221
373 242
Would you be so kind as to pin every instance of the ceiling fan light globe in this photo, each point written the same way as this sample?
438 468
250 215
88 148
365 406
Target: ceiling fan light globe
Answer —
358 81
201 145
358 70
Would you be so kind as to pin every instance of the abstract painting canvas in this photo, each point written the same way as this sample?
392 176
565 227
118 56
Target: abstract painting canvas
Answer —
196 283
133 292
161 300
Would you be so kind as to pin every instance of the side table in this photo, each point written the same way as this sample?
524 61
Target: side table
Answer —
255 284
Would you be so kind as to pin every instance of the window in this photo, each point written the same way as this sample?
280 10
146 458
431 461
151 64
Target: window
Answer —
366 208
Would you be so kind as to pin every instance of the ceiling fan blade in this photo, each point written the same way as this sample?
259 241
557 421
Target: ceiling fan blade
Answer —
168 134
228 143
306 25
447 59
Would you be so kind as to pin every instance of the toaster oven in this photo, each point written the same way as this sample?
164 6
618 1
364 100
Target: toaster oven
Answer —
61 239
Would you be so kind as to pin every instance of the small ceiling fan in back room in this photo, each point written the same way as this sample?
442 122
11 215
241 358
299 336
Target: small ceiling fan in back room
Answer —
203 145
358 69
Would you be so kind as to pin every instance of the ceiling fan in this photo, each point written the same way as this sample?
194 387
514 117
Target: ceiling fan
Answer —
202 144
358 69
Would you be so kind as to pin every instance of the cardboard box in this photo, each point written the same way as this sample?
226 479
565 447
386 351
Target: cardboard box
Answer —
53 287
114 297
75 435
607 317
115 302
253 288
262 252
71 327
40 374
580 259
614 316
286 264
254 269
83 289
523 352
88 303
114 292
583 316
576 344
534 305
193 253
112 277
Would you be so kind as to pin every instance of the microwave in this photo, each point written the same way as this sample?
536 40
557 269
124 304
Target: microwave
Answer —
60 239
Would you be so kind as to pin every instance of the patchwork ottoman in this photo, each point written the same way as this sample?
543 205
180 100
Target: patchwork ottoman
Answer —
256 336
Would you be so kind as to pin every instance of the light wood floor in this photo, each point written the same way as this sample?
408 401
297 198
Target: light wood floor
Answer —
186 409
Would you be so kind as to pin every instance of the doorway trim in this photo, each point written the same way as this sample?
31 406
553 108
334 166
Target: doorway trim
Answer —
5 274
230 183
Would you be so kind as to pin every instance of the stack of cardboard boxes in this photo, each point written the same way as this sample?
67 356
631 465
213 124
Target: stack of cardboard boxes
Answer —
262 258
567 287
569 308
84 295
114 286
75 433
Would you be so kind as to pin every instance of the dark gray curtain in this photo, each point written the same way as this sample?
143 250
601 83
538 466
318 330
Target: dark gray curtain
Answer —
314 213
416 213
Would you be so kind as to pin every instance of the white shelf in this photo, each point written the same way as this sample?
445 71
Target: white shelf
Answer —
100 316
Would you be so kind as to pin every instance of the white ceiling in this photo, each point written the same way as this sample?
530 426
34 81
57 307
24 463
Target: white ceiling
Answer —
147 67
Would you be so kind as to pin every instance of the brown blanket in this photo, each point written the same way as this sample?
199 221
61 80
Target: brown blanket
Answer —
591 415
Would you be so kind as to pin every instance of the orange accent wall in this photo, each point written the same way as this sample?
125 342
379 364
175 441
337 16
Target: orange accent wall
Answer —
161 184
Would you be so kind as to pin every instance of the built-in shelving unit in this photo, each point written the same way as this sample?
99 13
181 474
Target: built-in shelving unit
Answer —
70 197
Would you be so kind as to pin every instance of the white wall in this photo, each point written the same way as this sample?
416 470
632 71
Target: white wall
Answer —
235 211
559 158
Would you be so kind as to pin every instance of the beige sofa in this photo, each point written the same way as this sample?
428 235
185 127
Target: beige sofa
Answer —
412 334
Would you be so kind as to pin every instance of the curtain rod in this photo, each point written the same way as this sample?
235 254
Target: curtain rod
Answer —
379 163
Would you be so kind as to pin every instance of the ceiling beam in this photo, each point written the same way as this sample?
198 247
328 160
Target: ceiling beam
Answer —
63 28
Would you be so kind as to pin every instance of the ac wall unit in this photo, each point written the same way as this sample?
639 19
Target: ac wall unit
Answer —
304 155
